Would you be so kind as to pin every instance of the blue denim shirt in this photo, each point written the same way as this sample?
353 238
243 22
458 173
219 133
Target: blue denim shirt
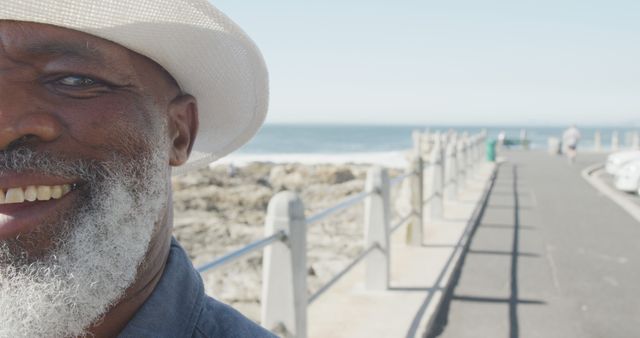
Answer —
178 307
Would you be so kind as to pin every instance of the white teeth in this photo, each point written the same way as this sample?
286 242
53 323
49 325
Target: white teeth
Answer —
14 195
31 193
56 192
44 193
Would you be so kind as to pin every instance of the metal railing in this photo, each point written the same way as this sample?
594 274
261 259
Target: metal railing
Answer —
347 203
281 235
245 250
284 294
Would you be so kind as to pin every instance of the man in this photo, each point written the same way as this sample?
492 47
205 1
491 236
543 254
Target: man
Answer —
570 139
98 101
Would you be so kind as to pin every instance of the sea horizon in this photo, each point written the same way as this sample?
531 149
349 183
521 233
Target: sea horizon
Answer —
306 138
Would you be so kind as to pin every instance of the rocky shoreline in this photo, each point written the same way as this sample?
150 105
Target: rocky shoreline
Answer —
222 208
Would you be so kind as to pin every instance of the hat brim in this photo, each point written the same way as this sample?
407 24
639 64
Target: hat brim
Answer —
210 57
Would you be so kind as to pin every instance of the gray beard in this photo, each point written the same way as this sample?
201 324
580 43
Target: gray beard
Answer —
96 257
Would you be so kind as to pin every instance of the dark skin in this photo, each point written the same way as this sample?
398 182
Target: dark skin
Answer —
79 96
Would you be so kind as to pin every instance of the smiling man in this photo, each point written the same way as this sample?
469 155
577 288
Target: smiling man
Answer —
99 102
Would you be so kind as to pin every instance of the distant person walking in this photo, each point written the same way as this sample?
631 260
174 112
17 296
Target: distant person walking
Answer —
570 139
502 137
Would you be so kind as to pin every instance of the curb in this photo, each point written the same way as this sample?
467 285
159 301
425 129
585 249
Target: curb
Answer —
614 195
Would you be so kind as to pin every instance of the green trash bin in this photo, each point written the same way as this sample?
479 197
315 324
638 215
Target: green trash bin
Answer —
491 150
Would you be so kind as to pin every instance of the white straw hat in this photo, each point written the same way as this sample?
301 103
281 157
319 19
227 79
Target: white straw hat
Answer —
208 54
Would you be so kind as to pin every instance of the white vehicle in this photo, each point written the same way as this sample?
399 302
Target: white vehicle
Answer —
616 160
628 177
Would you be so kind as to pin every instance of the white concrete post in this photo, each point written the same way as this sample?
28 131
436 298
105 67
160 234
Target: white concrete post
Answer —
635 140
523 139
482 148
284 272
436 187
425 143
476 149
471 146
615 141
444 138
627 139
597 141
425 139
473 149
376 226
414 230
462 170
468 158
451 172
417 137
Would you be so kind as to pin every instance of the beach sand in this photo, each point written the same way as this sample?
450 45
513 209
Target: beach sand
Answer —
222 208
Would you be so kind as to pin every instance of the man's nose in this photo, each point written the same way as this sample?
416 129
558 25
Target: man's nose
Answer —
21 120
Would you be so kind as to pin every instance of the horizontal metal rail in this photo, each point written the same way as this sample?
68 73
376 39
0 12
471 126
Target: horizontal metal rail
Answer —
428 199
350 201
401 178
344 271
401 223
232 256
355 199
257 245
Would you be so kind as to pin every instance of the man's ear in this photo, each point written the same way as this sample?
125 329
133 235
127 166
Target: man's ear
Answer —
183 127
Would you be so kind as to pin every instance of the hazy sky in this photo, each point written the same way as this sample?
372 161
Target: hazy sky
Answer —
448 62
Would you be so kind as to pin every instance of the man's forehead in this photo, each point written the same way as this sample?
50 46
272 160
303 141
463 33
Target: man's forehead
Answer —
36 40
46 40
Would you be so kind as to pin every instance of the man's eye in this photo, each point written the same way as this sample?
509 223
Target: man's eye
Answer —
77 81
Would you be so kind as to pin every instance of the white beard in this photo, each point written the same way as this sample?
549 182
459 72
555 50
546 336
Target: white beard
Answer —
91 266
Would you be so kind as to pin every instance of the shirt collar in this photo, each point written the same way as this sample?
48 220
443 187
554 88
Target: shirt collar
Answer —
175 304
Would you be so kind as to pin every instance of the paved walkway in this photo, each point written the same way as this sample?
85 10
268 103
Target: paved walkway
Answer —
417 277
551 258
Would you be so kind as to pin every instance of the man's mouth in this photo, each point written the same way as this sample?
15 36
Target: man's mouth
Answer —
34 193
25 208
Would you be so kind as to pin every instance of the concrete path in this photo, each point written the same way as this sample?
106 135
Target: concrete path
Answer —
418 277
551 258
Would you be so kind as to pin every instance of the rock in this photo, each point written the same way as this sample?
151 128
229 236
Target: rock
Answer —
333 175
286 178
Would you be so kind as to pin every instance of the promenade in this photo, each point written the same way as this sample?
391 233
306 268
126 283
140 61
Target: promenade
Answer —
551 257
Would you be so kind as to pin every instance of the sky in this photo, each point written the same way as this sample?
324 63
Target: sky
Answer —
455 62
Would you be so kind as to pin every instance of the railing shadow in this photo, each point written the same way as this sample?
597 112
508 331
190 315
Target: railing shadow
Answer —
513 300
514 325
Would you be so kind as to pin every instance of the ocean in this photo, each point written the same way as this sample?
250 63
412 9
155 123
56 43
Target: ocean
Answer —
382 144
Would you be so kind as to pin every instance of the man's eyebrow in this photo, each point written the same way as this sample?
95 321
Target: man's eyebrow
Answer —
74 51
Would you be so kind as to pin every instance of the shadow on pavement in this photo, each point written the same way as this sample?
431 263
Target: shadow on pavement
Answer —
513 300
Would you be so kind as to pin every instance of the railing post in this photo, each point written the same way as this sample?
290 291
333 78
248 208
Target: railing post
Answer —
437 182
483 146
451 171
469 157
414 229
425 143
597 141
476 149
284 288
479 147
462 170
418 141
635 140
376 220
615 141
